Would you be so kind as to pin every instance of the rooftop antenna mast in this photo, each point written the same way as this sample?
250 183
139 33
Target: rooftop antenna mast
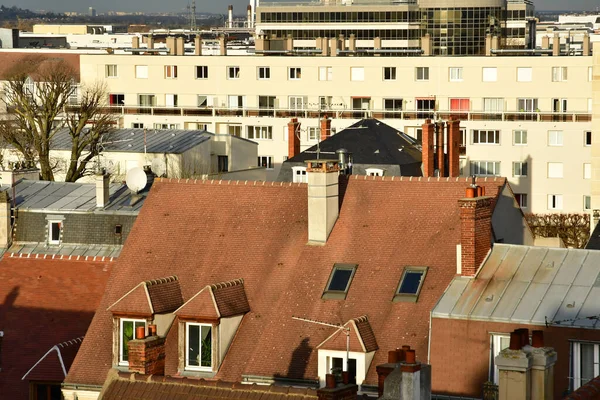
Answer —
192 16
339 327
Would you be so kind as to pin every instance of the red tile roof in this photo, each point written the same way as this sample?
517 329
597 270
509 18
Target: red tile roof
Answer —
155 296
43 302
131 386
231 298
258 231
53 365
589 391
12 61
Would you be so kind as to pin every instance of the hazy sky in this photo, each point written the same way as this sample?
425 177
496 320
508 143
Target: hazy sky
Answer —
216 6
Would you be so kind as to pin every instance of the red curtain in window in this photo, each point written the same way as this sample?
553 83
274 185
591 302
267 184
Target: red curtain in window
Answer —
459 105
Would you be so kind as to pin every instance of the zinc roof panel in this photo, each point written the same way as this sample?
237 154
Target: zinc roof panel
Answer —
572 303
550 266
589 271
512 260
570 267
530 264
510 300
489 298
590 308
492 263
550 304
469 299
451 296
532 298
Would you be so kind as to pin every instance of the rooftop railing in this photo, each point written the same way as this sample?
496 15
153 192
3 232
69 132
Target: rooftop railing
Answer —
538 116
329 3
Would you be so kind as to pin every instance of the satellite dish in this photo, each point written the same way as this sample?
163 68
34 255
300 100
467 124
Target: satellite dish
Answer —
136 179
159 167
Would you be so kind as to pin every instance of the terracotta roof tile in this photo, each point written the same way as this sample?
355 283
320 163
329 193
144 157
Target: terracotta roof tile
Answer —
133 302
202 305
44 302
366 333
589 391
258 231
165 294
231 298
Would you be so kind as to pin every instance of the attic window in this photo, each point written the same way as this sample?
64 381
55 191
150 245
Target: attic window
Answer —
127 329
410 284
198 344
339 281
118 230
54 228
374 172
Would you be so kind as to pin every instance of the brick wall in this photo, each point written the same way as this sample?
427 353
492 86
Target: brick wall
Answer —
293 138
342 392
460 353
427 149
147 356
453 148
475 233
85 228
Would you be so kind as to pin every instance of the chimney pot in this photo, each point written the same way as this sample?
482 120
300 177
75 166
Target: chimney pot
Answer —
427 155
537 339
152 330
479 191
411 357
471 193
515 341
401 355
330 381
524 332
393 356
140 332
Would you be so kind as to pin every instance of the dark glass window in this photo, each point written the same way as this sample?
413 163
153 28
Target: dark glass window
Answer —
339 281
410 284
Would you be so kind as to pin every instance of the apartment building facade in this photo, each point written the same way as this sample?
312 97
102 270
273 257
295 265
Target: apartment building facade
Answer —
524 117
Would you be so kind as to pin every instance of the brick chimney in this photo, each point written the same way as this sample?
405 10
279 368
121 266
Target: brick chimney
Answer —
475 229
453 129
325 128
293 137
323 203
406 378
147 356
338 392
439 149
427 148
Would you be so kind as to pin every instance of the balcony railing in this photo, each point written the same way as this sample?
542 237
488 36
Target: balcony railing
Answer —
330 3
352 114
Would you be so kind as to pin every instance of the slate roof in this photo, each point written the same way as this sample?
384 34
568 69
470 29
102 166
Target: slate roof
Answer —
258 231
44 302
123 386
594 240
529 285
154 296
371 142
71 197
170 141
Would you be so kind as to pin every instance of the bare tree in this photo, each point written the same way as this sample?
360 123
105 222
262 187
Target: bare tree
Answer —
42 99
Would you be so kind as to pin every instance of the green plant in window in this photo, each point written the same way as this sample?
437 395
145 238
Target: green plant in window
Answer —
206 353
127 336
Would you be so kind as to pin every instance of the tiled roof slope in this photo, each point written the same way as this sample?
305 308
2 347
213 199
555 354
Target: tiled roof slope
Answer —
53 365
589 391
154 296
43 302
231 298
15 60
257 231
366 334
362 338
134 387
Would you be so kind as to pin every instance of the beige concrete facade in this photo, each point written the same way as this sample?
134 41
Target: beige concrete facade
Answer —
550 102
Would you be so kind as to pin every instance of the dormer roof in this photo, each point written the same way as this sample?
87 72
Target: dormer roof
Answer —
220 300
362 338
150 297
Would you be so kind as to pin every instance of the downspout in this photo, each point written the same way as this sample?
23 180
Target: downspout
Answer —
429 339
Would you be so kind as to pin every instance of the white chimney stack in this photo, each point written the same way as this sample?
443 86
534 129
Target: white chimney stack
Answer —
230 21
102 189
323 203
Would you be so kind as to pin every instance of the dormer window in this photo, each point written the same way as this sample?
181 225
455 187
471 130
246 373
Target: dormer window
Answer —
339 281
410 284
299 175
374 172
198 345
127 329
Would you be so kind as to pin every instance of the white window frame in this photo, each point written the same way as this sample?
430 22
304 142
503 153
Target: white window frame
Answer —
524 74
121 362
495 349
374 171
422 74
493 104
587 203
559 74
112 71
518 137
233 72
555 170
294 73
489 74
299 175
170 71
60 227
555 202
475 167
518 167
395 102
259 132
455 74
263 73
324 363
325 73
297 102
171 100
270 159
152 98
187 346
555 138
587 171
357 74
389 73
482 137
314 133
529 104
204 71
522 199
559 105
576 362
141 72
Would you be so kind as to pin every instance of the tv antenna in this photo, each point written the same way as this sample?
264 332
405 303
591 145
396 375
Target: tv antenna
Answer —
339 327
192 15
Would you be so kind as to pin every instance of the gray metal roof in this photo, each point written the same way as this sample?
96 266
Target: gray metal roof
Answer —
530 285
71 197
172 141
86 250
